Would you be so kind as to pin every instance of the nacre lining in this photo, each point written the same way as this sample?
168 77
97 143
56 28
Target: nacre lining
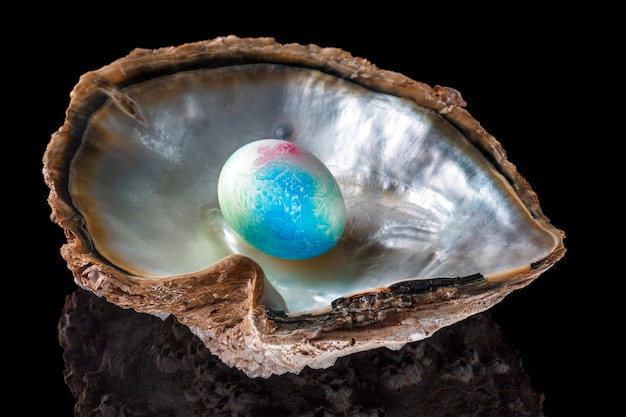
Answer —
421 201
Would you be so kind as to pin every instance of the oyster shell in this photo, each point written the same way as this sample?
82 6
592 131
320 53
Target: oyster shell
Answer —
439 225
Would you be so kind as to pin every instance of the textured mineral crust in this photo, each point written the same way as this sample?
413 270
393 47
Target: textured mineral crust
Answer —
122 363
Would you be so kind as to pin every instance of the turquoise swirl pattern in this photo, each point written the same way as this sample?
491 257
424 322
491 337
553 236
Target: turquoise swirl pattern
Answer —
281 199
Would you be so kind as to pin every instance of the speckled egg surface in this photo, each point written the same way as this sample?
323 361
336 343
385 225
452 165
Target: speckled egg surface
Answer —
281 199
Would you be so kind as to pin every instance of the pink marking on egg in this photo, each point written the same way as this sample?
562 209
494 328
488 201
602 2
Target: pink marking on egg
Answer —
272 152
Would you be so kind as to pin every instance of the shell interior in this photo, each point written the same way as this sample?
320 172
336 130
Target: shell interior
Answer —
421 201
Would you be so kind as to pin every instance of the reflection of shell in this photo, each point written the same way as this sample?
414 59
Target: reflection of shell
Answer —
439 226
138 365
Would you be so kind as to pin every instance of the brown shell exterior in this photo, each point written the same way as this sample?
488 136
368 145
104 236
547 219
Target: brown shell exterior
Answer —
219 304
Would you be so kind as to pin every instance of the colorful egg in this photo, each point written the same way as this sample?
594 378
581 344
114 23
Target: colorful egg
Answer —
281 199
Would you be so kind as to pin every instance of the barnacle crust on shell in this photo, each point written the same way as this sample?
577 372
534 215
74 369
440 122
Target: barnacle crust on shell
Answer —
440 225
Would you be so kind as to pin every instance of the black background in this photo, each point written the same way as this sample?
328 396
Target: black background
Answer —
514 69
